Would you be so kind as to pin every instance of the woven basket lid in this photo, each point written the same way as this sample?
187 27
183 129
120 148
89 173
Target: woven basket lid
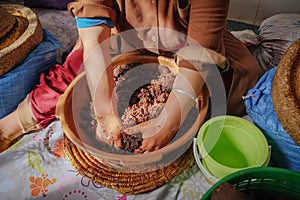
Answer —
20 33
286 91
7 22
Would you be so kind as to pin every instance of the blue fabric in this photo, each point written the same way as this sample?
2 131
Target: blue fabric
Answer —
89 22
17 83
259 106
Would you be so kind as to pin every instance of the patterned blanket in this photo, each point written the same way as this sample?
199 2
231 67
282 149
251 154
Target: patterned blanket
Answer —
36 168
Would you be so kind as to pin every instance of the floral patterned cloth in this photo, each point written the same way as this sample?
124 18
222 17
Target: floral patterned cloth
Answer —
36 168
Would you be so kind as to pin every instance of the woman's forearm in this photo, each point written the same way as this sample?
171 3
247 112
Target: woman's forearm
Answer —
187 86
96 61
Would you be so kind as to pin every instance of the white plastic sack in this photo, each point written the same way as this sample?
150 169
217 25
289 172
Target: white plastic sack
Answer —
276 33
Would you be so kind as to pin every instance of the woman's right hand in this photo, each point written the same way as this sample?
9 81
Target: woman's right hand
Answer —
109 130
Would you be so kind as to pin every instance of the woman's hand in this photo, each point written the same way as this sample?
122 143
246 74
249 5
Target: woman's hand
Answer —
156 133
109 130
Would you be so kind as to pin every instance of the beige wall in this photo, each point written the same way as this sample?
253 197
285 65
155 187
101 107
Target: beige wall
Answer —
254 11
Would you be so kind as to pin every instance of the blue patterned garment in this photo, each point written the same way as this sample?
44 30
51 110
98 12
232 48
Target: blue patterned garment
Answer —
17 83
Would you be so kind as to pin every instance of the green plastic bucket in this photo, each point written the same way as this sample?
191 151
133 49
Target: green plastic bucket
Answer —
227 144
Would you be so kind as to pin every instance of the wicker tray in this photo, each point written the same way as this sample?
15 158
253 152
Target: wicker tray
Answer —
286 91
123 182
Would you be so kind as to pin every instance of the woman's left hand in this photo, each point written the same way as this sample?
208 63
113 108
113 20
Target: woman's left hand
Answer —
156 133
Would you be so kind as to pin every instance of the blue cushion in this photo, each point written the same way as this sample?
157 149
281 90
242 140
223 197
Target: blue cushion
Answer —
259 106
17 83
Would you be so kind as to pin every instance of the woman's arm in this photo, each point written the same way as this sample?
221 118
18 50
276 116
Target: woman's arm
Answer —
100 81
96 59
96 56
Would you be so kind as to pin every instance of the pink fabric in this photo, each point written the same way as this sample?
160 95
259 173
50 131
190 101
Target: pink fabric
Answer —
44 96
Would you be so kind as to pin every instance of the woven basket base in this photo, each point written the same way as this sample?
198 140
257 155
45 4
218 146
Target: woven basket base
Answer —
122 181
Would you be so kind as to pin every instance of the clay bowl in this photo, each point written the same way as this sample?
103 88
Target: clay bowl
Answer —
69 109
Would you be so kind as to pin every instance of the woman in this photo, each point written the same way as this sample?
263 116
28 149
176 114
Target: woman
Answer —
203 21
